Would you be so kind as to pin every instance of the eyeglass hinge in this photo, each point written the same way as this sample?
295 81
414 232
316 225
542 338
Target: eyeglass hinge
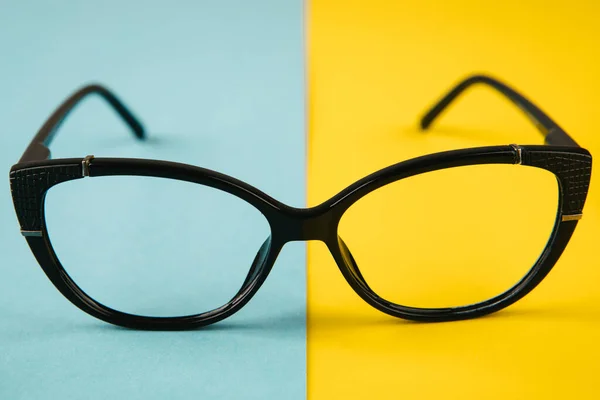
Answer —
85 165
518 153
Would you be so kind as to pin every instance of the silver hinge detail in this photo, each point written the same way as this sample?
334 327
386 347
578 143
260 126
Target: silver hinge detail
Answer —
519 153
85 166
31 233
571 217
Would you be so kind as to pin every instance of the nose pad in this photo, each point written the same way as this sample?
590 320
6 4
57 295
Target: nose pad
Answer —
259 261
351 264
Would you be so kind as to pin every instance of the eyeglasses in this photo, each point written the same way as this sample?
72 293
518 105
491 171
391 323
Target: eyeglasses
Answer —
152 244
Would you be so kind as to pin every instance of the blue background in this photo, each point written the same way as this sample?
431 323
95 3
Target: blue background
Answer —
217 84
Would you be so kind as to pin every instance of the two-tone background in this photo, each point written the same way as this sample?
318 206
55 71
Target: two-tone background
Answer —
300 100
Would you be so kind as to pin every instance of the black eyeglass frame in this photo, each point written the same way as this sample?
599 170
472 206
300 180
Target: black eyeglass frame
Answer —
36 173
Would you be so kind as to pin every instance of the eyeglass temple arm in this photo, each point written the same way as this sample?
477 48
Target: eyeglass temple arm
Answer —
553 134
38 149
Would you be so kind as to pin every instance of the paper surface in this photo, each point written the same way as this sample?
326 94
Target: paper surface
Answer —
217 85
374 70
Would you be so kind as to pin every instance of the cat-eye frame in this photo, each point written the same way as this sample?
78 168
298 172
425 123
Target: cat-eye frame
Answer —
245 229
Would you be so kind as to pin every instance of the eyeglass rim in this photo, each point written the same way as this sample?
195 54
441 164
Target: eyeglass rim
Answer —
309 223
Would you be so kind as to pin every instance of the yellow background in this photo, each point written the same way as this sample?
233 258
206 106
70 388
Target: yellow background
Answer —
373 68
